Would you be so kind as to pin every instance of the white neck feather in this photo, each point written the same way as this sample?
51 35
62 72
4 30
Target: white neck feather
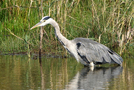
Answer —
58 34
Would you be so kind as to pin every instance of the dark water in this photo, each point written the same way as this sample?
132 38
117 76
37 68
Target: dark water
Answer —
21 73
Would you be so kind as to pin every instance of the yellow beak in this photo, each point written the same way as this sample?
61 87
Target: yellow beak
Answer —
37 25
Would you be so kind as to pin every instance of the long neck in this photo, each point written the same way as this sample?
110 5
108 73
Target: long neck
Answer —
64 41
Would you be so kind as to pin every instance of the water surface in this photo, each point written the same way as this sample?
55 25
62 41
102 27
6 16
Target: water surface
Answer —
18 72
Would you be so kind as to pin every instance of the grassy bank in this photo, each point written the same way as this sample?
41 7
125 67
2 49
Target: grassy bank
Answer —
108 22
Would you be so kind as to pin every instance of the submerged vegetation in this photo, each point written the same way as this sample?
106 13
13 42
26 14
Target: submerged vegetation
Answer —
110 22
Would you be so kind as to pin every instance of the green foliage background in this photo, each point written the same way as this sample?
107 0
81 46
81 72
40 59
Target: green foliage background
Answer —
110 22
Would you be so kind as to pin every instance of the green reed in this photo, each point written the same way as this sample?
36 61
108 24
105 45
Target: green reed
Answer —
108 22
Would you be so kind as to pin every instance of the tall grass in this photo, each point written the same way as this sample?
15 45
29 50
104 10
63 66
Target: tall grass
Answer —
108 22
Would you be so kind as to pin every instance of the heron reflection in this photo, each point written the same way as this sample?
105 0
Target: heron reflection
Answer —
98 79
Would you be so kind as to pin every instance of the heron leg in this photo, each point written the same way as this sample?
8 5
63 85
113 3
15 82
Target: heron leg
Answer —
91 64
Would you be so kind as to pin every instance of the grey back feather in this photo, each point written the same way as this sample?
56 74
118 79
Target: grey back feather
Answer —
92 51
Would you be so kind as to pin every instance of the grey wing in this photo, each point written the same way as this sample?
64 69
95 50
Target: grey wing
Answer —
97 53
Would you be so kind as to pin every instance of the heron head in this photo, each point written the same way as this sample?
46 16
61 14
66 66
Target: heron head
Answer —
44 21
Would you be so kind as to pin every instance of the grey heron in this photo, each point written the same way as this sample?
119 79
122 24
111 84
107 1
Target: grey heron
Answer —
85 50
